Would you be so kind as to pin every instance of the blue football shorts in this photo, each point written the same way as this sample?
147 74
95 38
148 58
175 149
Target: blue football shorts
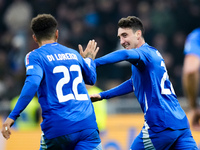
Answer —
84 140
165 140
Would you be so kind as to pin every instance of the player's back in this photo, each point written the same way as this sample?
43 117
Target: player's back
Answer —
62 93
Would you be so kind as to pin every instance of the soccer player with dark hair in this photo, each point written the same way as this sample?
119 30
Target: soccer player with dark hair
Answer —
165 123
58 74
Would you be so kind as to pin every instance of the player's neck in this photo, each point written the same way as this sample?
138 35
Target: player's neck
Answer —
141 42
46 42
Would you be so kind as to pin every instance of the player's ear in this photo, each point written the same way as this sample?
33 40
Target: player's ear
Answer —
34 38
138 33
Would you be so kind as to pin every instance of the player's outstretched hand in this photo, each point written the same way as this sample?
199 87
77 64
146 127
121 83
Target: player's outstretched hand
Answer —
6 128
90 51
95 97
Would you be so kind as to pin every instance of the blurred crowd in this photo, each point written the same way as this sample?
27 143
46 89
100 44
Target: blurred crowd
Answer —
167 23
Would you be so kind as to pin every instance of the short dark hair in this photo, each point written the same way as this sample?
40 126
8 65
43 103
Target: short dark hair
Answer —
44 26
132 22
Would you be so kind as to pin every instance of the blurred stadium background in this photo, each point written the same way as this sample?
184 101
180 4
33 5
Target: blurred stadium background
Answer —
167 23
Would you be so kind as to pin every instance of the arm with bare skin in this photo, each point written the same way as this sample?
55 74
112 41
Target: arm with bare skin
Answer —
191 87
90 51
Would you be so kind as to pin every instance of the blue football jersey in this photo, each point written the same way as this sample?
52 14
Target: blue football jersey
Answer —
151 85
192 44
66 106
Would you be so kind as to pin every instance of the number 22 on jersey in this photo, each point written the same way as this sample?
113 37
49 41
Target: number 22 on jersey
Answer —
65 80
165 77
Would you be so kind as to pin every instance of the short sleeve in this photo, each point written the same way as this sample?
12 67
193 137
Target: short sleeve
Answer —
192 44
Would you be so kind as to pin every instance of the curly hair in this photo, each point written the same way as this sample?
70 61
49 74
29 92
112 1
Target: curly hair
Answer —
44 26
132 22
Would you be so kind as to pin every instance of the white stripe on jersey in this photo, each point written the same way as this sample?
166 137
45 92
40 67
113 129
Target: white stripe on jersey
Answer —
148 145
88 61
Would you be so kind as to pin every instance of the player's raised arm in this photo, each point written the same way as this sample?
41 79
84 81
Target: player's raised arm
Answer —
120 55
88 65
90 51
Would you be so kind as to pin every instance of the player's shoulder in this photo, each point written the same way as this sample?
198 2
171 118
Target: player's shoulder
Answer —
73 51
32 53
146 49
194 34
197 31
68 49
